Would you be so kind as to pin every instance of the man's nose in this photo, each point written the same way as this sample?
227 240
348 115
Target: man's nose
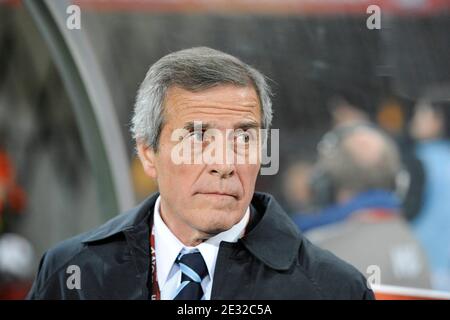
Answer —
223 171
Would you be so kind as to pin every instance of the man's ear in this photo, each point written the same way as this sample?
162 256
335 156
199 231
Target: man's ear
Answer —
147 157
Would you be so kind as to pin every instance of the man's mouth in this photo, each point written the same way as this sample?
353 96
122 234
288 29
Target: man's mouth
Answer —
218 194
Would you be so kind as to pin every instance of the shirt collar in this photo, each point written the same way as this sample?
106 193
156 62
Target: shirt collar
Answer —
167 242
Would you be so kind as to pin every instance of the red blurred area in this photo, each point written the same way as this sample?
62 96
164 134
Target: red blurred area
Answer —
11 194
11 2
288 7
15 291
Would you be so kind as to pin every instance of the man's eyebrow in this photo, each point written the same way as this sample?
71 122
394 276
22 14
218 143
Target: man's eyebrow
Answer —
192 125
243 125
246 125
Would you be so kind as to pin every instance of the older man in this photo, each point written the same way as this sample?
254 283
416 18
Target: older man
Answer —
207 234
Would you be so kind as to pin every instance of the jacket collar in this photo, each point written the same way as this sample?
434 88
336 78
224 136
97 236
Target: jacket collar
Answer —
272 237
128 222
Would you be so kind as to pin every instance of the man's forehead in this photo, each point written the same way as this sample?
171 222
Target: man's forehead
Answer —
214 105
221 91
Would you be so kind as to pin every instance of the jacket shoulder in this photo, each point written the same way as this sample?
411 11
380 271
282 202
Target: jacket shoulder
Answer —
57 258
333 277
65 250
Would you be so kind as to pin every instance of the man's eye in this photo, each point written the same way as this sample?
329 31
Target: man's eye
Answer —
196 135
243 137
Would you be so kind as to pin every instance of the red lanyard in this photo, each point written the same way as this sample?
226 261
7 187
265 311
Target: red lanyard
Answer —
156 294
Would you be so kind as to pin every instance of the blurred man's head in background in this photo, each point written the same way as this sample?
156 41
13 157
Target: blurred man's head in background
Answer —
355 159
428 121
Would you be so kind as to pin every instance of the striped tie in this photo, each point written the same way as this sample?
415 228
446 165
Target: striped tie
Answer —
193 270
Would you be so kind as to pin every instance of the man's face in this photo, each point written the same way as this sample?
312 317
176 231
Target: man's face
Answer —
206 198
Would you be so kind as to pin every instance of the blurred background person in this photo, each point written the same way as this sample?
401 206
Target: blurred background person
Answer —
432 224
391 118
16 252
346 113
355 181
298 175
296 188
12 196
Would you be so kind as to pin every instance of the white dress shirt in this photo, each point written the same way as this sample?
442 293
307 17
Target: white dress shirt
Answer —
168 246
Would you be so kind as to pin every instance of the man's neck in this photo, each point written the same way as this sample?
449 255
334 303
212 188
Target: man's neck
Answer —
186 234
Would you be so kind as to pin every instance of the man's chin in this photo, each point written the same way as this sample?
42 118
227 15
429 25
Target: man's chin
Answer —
214 228
216 220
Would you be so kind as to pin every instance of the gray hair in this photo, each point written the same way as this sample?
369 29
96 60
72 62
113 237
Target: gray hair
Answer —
193 69
349 172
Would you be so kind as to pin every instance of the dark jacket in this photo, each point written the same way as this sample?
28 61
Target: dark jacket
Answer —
272 261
